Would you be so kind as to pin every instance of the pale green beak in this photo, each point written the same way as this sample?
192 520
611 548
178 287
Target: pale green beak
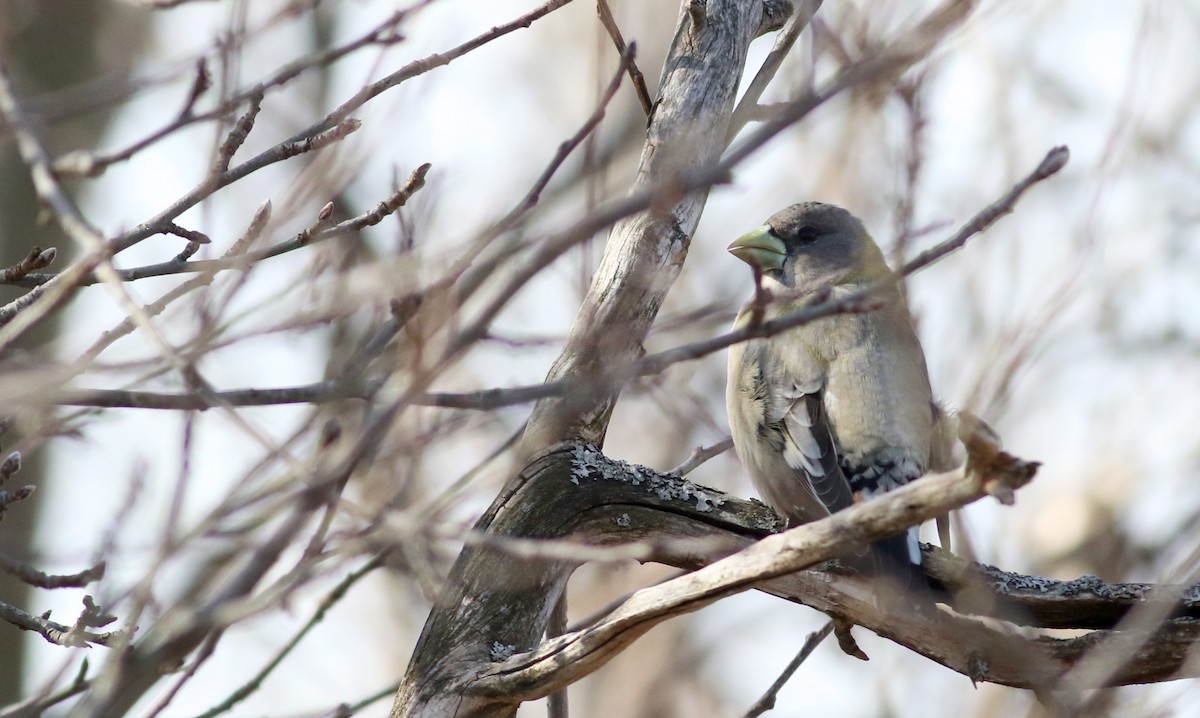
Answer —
760 248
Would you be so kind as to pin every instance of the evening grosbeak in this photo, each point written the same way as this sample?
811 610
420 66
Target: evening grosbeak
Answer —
838 409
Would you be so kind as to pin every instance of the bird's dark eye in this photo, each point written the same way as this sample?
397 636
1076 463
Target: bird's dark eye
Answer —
805 235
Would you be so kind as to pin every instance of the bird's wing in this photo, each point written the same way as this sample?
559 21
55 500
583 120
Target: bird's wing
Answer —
809 444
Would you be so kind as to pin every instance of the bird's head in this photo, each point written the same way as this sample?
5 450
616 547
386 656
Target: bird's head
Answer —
811 244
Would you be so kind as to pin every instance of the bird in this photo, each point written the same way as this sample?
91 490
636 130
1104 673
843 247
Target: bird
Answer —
840 409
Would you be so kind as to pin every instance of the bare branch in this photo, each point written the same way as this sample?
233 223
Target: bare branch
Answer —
1054 161
77 635
328 602
85 164
568 146
635 75
767 701
577 492
747 106
242 245
702 454
37 258
38 706
567 658
240 260
611 378
237 135
645 252
33 577
281 151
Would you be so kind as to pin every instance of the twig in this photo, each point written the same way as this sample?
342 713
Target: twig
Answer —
557 705
17 316
35 707
747 106
88 165
73 223
635 75
346 710
37 258
1054 161
74 636
886 64
242 245
342 112
10 466
338 592
568 146
318 393
388 206
29 575
856 301
474 271
205 652
237 135
767 701
702 454
860 300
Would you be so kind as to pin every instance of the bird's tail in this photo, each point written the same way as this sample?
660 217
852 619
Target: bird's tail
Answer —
896 562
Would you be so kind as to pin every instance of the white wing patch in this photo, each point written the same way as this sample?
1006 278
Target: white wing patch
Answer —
801 449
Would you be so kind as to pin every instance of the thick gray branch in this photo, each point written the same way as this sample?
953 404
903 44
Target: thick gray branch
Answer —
645 252
481 653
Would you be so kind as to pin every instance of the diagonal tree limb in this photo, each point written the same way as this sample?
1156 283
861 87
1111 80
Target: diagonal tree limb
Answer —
746 107
571 656
484 642
767 701
645 251
635 75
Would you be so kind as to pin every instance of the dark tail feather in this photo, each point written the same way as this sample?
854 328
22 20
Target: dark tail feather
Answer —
896 560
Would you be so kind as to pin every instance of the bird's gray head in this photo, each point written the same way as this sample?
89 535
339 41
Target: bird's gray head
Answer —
811 244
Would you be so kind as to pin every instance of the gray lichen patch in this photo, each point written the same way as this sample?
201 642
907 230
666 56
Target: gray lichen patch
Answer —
588 462
1014 583
502 651
1007 582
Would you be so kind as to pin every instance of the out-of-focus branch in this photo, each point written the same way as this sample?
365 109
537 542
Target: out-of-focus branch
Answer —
339 591
17 316
660 189
239 248
1054 161
33 577
610 378
702 454
824 305
241 260
10 466
767 701
568 146
86 164
635 75
286 149
39 705
76 635
748 105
